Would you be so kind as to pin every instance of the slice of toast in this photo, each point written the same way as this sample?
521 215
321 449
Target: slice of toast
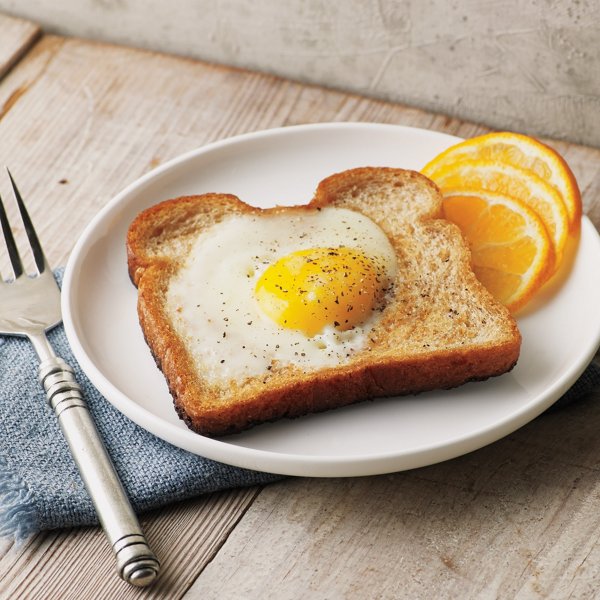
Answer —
440 328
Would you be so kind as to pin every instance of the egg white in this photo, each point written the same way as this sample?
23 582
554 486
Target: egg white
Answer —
211 298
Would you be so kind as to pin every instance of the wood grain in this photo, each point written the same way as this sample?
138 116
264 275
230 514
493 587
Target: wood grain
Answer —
515 519
507 63
16 37
76 564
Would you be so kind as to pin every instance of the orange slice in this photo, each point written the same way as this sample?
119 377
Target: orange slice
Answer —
523 152
511 251
520 184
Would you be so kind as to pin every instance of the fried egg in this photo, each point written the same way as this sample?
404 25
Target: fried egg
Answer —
261 291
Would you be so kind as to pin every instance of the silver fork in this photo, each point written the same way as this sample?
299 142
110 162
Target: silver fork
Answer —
29 307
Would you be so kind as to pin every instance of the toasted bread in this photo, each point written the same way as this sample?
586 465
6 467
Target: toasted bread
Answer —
440 328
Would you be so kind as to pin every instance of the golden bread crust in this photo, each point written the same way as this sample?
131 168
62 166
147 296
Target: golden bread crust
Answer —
429 339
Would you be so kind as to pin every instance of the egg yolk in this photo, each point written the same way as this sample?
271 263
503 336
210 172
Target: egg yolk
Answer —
310 289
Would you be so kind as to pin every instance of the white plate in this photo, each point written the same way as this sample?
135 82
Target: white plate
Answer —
560 334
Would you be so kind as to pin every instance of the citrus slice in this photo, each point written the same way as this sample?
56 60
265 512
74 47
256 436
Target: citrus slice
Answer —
511 251
520 184
520 151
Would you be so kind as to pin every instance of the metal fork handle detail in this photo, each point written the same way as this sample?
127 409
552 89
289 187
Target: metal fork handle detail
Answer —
136 563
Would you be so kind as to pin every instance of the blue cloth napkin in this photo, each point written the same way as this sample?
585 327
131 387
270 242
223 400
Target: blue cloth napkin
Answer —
40 487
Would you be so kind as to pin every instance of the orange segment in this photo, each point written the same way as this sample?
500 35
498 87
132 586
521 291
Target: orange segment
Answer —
519 151
520 184
511 251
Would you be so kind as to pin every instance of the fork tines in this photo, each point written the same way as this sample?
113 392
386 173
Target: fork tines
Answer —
11 246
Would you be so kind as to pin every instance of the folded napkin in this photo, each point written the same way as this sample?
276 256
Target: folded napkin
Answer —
40 487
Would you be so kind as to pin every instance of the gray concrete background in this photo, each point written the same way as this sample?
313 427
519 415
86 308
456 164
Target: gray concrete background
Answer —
531 66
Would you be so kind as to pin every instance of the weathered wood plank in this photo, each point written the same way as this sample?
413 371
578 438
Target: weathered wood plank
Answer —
78 564
517 519
16 37
83 121
81 134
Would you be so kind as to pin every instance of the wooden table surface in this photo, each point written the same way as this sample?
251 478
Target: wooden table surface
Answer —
517 519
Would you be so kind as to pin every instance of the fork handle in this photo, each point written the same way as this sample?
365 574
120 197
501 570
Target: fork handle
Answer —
136 563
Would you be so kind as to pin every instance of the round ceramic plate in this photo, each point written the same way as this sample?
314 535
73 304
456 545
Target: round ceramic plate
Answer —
561 332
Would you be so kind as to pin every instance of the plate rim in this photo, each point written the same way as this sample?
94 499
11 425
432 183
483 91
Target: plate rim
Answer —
282 462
